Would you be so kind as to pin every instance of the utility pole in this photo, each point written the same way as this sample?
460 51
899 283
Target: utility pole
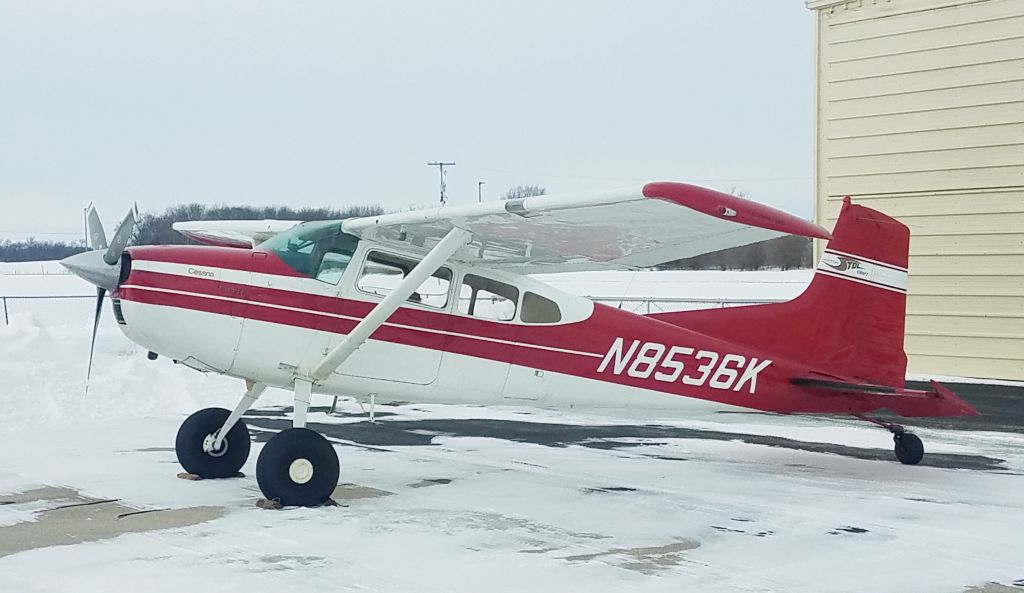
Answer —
479 191
440 166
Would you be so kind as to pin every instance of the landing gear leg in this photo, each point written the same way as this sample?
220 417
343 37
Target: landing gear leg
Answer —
303 395
908 446
298 466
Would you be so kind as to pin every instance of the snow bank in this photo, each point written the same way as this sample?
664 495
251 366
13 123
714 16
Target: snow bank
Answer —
711 284
43 377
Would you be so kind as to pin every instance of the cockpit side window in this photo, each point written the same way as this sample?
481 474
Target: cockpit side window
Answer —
317 250
383 271
332 266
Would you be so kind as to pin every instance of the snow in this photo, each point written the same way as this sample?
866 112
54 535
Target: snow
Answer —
701 514
694 284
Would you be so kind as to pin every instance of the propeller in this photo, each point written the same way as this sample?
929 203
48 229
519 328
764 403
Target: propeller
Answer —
121 236
101 265
95 239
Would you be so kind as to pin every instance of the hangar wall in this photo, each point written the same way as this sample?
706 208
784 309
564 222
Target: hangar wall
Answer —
920 113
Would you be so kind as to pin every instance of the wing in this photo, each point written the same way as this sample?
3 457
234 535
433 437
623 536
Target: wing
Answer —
245 234
628 229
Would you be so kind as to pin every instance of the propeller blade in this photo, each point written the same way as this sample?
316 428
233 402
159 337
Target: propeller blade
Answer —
121 237
100 293
95 236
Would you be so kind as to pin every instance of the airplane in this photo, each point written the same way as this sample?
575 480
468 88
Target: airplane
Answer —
441 306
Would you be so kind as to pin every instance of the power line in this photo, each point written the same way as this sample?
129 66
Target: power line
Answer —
440 166
20 232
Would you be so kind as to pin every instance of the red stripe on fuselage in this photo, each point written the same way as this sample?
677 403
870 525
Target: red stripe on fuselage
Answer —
520 345
547 336
426 329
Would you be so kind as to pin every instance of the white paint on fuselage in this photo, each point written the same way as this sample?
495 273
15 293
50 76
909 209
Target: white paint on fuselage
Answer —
275 352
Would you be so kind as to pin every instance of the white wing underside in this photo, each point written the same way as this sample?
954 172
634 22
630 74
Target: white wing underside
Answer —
612 230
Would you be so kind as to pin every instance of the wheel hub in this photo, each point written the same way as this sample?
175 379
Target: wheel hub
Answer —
208 443
300 471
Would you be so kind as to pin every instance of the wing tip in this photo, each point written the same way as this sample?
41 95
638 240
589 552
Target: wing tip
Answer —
733 208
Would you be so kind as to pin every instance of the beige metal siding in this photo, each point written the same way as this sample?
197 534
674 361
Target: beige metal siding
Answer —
921 115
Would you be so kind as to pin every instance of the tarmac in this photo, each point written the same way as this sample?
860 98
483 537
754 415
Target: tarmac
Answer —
63 516
1001 408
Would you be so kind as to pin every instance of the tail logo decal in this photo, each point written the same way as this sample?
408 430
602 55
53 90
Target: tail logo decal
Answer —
843 264
862 270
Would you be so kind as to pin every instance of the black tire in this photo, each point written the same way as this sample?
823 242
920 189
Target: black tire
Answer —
909 448
222 464
298 452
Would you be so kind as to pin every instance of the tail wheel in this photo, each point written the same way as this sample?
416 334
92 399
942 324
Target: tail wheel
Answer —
298 467
909 448
220 463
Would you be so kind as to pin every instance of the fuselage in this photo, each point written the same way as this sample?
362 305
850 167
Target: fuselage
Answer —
470 335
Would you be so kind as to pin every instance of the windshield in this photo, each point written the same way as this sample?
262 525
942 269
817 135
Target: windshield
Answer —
304 246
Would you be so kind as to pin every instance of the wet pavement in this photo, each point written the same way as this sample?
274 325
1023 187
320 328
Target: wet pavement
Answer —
405 433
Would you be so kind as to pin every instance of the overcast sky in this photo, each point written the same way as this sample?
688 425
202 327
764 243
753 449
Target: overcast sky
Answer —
336 103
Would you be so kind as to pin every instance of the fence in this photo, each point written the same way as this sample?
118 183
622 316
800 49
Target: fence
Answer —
639 305
648 305
48 298
33 272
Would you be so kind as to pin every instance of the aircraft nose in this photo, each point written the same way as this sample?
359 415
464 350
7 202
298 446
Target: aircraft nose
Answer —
89 266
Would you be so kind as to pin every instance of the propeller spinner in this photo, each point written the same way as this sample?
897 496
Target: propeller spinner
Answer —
101 265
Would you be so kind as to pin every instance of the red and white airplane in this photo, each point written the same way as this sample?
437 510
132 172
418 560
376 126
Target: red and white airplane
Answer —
438 306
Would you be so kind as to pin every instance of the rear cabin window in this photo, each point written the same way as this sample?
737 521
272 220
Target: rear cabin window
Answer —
317 250
382 272
537 309
487 299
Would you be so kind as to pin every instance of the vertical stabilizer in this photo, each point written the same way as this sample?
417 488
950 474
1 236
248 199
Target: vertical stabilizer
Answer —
849 322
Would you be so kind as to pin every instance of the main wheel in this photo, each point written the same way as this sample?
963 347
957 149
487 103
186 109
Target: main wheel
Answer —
221 463
298 467
909 448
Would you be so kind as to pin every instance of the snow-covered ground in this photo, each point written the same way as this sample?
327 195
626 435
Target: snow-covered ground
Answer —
703 284
451 510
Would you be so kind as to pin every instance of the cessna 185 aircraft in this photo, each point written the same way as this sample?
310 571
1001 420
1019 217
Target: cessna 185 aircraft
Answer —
439 306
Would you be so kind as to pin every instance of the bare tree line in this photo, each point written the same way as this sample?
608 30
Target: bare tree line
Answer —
33 249
155 229
783 253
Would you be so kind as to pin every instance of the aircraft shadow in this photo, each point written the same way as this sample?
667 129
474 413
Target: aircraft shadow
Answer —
404 433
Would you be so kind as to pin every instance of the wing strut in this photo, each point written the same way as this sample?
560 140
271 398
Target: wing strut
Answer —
445 248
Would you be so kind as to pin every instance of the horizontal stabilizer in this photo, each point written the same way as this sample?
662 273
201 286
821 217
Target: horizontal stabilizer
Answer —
940 401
